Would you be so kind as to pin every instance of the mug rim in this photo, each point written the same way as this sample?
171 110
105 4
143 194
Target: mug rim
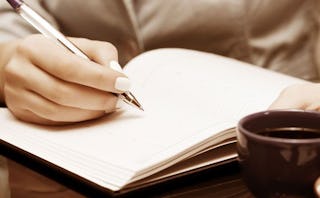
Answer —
259 137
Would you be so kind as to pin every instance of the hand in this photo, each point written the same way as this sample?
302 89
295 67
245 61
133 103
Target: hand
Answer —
47 84
300 96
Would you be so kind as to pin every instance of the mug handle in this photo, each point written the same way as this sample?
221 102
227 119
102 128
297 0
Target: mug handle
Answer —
317 187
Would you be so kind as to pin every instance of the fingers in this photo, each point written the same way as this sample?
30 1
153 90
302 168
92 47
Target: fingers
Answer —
52 111
288 99
44 111
65 93
283 102
47 84
300 96
67 66
28 116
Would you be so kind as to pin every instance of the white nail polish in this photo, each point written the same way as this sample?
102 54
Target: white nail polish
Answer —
122 84
115 66
120 104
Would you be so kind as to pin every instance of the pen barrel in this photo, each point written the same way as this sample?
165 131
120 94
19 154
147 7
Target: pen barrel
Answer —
47 29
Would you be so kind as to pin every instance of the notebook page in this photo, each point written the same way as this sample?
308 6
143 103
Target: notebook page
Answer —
219 91
179 106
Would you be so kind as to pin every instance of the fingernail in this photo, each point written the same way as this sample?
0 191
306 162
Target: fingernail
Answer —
120 104
122 84
115 66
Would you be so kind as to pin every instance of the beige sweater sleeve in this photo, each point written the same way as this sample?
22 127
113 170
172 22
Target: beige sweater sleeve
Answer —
317 44
13 26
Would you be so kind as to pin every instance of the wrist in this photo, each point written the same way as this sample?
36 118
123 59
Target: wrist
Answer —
6 52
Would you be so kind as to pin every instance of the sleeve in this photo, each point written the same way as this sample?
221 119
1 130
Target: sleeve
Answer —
13 26
316 49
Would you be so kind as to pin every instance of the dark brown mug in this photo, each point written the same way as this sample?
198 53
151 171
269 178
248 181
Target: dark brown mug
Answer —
279 152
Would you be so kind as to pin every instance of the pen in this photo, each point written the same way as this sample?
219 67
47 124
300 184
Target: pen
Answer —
48 30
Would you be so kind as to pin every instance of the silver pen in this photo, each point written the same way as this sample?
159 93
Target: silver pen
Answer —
49 31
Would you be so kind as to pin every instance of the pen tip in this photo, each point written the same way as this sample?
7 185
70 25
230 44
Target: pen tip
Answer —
131 100
141 108
137 105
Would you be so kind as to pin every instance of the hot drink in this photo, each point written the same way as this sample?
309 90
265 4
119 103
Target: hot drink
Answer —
279 152
291 133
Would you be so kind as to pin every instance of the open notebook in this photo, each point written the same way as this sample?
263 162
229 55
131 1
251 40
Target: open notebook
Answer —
192 101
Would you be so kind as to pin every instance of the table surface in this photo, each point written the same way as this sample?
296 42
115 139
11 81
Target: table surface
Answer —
223 181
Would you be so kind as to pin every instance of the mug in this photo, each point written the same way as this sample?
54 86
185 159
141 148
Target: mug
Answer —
279 153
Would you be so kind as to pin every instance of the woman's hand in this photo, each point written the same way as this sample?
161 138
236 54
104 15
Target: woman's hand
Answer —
300 96
47 84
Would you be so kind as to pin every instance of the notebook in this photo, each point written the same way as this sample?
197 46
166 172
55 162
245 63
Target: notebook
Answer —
192 100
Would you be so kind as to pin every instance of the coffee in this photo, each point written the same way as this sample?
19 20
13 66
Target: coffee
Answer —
291 133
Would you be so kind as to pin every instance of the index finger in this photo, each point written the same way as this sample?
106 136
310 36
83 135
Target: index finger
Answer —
65 65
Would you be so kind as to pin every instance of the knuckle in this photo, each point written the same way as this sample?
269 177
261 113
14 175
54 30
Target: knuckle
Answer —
60 94
12 72
9 92
23 48
6 90
26 46
10 98
9 70
109 48
18 113
50 112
